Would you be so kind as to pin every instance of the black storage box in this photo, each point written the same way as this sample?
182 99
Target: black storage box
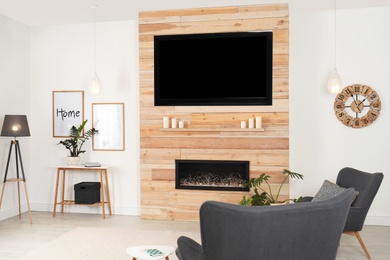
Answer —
87 192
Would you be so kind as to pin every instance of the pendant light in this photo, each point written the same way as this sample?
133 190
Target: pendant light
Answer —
335 84
94 84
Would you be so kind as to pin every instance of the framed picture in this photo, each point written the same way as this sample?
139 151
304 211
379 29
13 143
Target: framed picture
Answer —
68 111
108 119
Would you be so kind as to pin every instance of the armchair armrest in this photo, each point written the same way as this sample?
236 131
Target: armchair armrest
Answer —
188 247
307 199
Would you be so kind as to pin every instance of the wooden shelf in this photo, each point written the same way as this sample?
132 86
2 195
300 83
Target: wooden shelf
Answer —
14 179
212 129
71 202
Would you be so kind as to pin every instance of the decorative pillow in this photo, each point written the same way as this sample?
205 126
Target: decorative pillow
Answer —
329 190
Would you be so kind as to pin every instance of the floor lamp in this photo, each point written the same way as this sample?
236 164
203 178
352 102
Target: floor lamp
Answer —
16 125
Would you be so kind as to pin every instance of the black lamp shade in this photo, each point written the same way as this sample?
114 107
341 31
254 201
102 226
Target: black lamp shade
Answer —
15 125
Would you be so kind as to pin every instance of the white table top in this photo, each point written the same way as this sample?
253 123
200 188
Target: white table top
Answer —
82 167
140 253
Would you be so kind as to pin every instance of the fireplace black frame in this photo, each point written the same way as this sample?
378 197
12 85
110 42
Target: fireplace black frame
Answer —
241 166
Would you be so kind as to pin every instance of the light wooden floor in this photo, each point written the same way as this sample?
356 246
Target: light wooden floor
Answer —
18 236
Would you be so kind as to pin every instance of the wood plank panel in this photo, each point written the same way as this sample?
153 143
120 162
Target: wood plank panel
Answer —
278 105
270 143
280 130
267 151
200 119
255 157
261 24
163 174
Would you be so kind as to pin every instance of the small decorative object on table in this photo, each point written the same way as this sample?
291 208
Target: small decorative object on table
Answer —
150 252
92 164
154 252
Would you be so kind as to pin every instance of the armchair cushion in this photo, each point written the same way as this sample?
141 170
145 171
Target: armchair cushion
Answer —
329 190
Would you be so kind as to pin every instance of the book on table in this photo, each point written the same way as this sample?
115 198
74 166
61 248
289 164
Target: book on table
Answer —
92 164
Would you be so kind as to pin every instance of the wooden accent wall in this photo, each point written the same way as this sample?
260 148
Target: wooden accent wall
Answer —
267 151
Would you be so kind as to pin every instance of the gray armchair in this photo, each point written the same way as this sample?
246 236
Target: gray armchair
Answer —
300 231
367 184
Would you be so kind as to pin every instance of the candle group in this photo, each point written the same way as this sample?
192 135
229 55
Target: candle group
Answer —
252 122
173 123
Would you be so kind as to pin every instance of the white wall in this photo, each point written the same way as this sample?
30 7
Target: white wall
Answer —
320 144
14 100
62 59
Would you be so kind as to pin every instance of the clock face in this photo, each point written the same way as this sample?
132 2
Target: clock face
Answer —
357 106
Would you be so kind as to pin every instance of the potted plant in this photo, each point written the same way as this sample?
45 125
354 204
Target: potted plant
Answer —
76 140
267 197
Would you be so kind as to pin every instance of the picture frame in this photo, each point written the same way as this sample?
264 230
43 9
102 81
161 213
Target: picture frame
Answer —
108 119
68 111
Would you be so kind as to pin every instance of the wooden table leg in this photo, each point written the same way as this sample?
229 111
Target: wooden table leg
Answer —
56 194
102 192
63 191
108 193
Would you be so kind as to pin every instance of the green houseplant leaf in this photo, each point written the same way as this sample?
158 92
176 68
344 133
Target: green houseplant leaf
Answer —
76 140
267 197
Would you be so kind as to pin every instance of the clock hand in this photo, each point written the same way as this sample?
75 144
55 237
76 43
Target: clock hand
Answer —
354 100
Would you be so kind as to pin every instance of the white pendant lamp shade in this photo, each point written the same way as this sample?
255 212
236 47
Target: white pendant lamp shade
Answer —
94 84
334 83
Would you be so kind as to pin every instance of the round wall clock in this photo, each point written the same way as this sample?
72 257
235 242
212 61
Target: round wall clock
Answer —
357 106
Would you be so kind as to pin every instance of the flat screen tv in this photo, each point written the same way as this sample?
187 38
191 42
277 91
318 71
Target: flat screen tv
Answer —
213 69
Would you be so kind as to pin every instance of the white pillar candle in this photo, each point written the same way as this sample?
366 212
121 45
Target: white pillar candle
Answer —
165 122
251 123
181 124
258 122
243 124
174 123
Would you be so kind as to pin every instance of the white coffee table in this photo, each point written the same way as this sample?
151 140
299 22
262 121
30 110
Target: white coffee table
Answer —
138 252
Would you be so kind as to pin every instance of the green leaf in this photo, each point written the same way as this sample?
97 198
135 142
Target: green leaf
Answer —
266 197
75 143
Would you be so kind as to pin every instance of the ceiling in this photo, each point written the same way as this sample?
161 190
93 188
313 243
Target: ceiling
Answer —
55 12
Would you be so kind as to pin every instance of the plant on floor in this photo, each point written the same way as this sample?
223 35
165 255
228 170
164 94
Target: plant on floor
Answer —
267 197
76 139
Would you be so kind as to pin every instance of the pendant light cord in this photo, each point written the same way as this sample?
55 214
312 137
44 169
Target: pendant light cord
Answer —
335 33
94 33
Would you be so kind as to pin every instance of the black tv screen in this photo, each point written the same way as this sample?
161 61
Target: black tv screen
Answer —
213 69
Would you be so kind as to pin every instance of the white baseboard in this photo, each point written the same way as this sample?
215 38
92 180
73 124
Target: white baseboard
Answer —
377 220
134 211
86 209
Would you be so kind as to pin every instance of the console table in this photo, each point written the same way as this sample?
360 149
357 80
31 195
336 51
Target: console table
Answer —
104 189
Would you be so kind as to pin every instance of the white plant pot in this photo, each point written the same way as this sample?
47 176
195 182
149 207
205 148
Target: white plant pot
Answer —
73 160
279 203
